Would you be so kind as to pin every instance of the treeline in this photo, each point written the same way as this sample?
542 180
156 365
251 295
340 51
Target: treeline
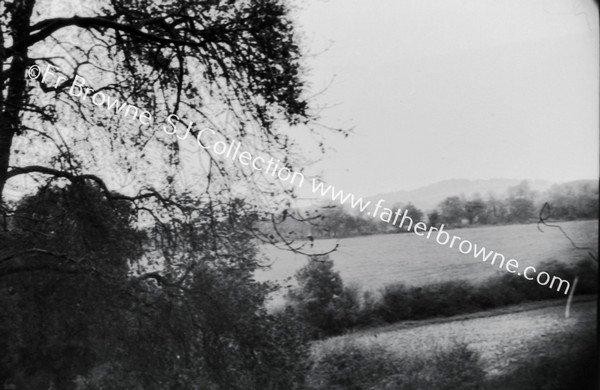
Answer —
569 201
521 204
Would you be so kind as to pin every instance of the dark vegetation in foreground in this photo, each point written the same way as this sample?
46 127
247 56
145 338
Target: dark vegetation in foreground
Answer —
329 308
560 361
557 361
357 367
97 324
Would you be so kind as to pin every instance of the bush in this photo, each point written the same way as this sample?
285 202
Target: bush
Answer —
356 367
352 367
455 368
529 290
400 302
559 361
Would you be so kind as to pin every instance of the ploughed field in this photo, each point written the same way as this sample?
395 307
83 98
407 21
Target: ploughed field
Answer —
375 261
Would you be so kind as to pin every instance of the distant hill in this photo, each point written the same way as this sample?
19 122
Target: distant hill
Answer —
428 197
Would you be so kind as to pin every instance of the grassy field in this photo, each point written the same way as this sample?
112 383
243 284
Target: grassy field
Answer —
504 339
526 346
374 261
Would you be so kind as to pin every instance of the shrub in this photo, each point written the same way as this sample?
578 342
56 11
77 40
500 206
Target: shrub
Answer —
559 361
586 269
400 302
529 290
368 314
457 367
353 366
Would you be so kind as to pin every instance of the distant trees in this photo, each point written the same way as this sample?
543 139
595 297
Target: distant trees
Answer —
452 210
474 209
336 222
518 207
495 211
574 201
411 212
434 218
568 201
521 204
327 221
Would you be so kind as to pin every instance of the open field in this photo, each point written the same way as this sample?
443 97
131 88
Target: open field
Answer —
501 339
374 261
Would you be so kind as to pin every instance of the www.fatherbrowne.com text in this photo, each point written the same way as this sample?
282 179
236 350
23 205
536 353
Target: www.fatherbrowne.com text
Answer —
275 168
397 218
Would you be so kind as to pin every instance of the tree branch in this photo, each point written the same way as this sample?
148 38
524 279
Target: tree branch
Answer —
39 267
48 27
41 252
111 196
161 280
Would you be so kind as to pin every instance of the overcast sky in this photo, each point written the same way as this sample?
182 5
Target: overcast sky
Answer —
436 90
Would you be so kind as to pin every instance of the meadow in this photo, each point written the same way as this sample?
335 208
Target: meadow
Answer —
372 262
526 347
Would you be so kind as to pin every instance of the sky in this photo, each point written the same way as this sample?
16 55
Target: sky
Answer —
448 89
436 90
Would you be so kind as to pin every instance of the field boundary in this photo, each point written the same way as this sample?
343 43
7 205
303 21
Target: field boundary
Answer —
517 308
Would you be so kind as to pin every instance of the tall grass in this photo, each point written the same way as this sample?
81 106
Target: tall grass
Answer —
358 367
557 361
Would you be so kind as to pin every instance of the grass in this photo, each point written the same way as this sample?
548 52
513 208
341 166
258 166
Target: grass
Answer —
509 309
545 352
558 361
399 303
380 260
358 367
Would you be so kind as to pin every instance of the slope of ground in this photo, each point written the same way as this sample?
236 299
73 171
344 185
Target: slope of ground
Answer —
502 337
375 261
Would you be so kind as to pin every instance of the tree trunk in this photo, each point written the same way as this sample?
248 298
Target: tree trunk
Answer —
16 93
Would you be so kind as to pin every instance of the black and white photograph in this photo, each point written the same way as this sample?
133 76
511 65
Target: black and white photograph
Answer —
299 194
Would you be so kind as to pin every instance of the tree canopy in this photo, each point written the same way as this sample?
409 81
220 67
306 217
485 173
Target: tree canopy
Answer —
231 65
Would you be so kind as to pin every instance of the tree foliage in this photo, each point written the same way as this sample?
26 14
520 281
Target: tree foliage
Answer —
321 299
129 261
79 310
452 210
